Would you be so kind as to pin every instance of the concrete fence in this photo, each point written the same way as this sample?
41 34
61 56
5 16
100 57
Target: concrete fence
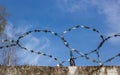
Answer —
40 70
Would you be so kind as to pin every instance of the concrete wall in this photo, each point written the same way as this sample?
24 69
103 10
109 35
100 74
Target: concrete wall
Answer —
39 70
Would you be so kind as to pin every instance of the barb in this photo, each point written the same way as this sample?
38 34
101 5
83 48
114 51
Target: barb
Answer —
72 58
13 43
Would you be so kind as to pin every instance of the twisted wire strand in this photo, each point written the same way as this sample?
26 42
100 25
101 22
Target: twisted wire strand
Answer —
89 28
106 39
6 40
102 43
13 43
86 27
110 59
32 51
83 56
60 63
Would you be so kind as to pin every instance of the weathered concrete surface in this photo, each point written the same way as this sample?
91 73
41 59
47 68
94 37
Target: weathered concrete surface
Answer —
40 70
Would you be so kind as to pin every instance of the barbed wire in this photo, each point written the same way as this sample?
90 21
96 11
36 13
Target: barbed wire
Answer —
72 58
82 54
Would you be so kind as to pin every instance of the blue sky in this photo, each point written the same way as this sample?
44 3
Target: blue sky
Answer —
57 15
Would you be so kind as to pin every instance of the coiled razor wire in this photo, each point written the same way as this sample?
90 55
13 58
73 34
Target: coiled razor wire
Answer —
72 59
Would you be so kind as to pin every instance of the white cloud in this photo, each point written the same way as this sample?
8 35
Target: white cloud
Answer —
36 43
12 31
110 9
72 6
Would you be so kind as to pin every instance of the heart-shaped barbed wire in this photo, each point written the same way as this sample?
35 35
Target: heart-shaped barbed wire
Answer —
71 59
79 52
